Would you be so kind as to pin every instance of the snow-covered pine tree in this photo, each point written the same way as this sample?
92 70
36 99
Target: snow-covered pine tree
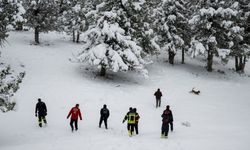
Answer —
9 80
171 26
19 16
41 15
210 37
108 45
140 27
72 18
9 84
239 34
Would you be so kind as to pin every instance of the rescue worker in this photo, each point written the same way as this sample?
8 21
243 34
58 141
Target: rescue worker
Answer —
166 118
137 117
130 117
74 113
158 96
41 110
104 112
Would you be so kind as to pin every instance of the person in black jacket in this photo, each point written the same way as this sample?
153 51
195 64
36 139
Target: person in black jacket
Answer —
41 112
171 118
104 116
166 119
158 96
137 117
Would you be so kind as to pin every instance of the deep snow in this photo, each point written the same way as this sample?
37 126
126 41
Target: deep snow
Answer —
219 117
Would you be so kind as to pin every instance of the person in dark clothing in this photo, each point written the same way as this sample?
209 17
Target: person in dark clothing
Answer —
104 116
158 96
74 113
166 118
137 117
171 118
41 112
130 117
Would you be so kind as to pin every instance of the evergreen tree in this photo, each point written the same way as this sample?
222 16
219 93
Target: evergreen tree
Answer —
171 26
41 15
72 18
140 27
210 23
239 33
108 45
9 80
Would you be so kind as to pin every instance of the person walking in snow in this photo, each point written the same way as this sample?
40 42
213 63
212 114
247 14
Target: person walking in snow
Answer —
41 112
74 113
130 117
171 118
104 112
137 117
158 96
166 119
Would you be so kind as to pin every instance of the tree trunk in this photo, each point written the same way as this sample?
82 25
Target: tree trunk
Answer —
171 57
236 63
74 36
210 62
19 26
77 37
183 56
36 35
103 71
240 62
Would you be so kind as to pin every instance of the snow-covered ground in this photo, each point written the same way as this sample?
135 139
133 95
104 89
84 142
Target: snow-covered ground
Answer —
219 118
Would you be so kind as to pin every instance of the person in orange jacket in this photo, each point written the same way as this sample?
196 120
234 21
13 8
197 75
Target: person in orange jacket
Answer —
74 113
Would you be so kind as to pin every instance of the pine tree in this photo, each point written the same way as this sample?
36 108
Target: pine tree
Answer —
41 15
210 23
72 18
9 80
239 34
171 26
108 44
140 27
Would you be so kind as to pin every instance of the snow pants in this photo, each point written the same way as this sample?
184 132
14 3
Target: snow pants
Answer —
41 118
158 102
72 121
164 129
131 127
105 122
171 126
136 128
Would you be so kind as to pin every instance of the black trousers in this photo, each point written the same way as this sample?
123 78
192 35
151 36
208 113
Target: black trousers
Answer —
158 102
130 128
72 122
105 122
136 128
171 126
41 118
164 129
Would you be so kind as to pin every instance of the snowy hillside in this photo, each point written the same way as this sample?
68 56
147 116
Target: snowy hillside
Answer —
218 118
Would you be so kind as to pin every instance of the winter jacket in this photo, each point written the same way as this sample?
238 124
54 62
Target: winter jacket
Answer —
137 117
75 112
167 116
158 94
104 112
41 109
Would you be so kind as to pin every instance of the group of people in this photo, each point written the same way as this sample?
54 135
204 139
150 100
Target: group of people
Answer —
132 117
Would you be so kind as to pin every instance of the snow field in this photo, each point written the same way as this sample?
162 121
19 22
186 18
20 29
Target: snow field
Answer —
219 117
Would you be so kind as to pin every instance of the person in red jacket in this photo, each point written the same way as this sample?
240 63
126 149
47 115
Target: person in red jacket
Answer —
74 113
